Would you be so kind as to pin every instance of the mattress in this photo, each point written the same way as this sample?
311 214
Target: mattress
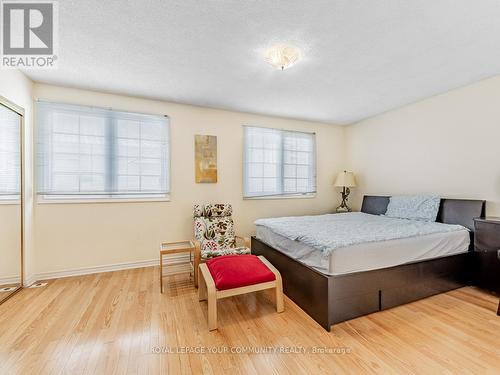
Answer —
372 255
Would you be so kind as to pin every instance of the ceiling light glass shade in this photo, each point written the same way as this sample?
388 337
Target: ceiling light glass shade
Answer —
282 56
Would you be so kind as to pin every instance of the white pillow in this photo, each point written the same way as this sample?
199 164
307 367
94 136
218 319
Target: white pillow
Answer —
414 207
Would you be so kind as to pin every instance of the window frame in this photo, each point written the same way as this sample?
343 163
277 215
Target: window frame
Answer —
283 195
16 198
76 198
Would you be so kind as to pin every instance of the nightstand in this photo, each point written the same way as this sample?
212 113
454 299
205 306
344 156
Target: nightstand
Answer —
171 248
486 247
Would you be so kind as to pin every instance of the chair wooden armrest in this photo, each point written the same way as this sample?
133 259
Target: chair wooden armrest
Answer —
246 241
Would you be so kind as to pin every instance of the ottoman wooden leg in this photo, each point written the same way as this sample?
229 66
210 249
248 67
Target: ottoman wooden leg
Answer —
212 310
207 284
280 306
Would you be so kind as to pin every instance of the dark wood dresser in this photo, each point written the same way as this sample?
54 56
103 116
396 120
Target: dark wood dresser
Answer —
486 247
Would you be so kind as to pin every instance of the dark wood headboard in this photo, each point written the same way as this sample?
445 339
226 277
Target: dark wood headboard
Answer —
451 211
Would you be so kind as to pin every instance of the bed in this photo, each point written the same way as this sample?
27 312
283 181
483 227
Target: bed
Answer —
364 278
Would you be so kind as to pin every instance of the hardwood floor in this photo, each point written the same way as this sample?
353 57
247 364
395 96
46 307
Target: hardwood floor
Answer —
118 322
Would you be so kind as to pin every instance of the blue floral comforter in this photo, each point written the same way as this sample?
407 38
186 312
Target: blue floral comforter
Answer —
329 232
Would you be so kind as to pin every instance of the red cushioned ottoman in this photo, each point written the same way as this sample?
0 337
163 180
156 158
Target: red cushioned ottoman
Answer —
232 275
235 271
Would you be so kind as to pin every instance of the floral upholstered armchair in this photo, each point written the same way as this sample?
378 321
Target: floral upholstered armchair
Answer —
214 234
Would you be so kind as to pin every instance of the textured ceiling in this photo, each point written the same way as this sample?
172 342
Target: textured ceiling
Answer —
360 57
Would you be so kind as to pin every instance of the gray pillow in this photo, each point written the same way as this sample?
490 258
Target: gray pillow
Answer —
414 207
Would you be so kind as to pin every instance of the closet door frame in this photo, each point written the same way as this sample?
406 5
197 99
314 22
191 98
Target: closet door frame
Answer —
20 111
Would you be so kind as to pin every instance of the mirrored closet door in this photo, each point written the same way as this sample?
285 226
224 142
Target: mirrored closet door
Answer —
11 200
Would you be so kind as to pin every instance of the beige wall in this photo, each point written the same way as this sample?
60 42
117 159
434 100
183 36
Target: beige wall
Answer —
10 243
71 236
18 89
448 144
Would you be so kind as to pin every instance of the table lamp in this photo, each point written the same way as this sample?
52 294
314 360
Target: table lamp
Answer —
345 180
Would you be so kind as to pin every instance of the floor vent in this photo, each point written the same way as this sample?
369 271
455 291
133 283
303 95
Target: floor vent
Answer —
38 285
8 289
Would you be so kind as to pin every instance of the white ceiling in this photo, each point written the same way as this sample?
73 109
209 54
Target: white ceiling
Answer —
360 57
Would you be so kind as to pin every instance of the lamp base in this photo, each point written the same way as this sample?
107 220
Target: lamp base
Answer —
343 208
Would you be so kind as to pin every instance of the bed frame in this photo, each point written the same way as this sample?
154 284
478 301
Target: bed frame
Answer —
334 299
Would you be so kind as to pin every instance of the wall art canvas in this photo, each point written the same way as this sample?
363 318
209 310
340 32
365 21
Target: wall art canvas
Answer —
205 158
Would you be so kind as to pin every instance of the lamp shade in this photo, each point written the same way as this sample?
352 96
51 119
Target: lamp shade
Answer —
345 179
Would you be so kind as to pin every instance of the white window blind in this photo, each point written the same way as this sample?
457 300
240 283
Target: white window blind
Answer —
87 152
10 154
278 162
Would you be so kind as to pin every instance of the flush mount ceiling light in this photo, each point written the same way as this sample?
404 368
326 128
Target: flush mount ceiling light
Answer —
282 56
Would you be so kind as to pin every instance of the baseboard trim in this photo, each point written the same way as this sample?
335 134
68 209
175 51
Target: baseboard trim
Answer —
173 259
29 281
10 280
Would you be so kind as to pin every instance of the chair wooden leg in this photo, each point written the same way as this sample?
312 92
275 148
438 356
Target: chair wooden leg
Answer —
498 311
202 289
212 309
161 274
196 263
196 275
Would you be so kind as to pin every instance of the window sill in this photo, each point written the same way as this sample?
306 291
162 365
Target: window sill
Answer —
10 202
42 200
278 197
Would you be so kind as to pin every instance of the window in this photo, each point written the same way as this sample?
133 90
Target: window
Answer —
278 162
86 152
10 154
